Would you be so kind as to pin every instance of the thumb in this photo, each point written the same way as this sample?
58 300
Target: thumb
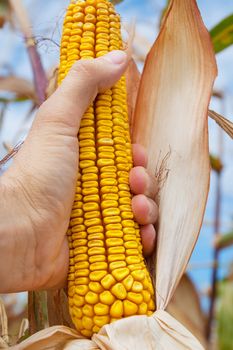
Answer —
80 87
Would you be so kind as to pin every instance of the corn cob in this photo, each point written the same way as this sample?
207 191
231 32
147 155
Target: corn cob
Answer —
107 277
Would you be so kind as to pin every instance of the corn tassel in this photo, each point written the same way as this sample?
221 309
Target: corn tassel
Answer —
108 278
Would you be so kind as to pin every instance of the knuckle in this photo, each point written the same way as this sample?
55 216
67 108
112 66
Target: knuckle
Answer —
83 69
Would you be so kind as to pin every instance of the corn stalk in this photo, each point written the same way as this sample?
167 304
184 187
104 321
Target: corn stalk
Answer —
40 79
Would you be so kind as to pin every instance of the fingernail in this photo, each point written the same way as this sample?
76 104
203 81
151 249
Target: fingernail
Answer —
116 57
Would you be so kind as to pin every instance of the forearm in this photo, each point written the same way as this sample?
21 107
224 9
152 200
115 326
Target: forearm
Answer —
16 245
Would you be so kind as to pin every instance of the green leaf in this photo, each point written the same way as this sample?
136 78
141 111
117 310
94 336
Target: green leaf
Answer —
4 11
225 316
4 6
222 34
13 100
224 241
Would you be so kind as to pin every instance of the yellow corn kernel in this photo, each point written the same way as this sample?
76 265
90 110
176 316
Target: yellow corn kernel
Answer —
108 281
87 322
96 287
101 309
130 308
121 273
107 298
88 310
100 321
107 277
119 291
91 298
117 309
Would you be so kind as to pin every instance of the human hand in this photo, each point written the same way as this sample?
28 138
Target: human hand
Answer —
41 182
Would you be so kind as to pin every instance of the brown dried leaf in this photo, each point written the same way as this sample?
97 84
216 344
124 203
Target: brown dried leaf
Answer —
137 332
133 77
19 86
224 123
3 344
171 122
4 338
24 327
185 307
58 311
53 338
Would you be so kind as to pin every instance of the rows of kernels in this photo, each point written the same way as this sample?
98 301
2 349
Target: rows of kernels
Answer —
107 277
133 247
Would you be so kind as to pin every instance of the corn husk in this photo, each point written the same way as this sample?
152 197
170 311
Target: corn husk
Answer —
138 332
133 78
180 71
185 307
4 338
171 121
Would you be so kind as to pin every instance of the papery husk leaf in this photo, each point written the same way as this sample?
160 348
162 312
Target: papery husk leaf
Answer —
3 326
171 122
24 327
137 332
185 307
3 344
133 77
53 338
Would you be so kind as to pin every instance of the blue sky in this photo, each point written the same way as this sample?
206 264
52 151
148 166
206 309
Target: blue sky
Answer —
47 19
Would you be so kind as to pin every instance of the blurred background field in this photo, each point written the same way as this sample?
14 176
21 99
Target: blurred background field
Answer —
18 107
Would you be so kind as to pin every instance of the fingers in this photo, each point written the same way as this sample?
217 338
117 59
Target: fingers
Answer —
148 236
141 182
139 155
85 79
145 210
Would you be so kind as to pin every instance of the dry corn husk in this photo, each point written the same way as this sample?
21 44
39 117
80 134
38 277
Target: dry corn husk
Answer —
180 69
133 78
160 331
185 307
171 121
4 338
